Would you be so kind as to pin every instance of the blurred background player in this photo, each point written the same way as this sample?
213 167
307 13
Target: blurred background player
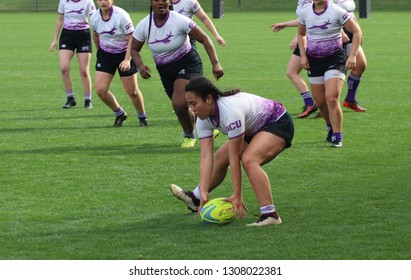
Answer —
167 35
258 130
294 67
356 72
112 33
73 28
323 55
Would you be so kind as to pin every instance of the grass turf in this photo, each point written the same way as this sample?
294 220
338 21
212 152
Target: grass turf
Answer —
73 187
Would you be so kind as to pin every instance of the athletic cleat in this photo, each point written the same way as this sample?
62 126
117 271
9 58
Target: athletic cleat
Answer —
266 220
336 144
353 105
87 104
216 132
188 198
71 102
328 139
143 121
188 142
308 110
120 119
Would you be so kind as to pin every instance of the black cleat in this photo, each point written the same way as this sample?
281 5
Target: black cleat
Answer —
143 121
120 119
71 102
88 104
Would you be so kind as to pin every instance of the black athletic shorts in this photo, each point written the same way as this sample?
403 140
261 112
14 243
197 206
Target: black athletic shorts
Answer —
79 40
187 67
297 51
110 62
318 66
283 127
349 34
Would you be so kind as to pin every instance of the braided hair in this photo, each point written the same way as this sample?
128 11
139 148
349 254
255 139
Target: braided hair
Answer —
202 87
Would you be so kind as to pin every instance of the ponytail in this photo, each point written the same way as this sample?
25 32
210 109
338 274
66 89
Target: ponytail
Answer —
149 24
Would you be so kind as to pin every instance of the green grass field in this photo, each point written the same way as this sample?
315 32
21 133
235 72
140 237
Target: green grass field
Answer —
73 187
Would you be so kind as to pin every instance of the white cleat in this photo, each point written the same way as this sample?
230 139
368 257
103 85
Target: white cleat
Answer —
187 197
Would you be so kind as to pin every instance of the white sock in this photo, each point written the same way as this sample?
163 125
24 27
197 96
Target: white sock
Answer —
267 209
196 191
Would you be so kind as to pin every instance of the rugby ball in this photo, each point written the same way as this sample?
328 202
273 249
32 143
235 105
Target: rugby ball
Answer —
217 211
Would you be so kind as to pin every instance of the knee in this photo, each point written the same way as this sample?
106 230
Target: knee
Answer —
248 162
101 91
65 70
84 73
332 101
132 93
291 74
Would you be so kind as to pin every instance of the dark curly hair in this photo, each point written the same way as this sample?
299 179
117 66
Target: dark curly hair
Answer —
203 87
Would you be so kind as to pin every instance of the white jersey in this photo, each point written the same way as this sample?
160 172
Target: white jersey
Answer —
186 7
76 13
348 5
241 113
302 4
168 42
113 32
324 29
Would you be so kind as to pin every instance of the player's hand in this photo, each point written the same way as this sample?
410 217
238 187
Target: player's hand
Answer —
304 63
220 41
145 72
239 206
275 27
218 71
53 46
351 62
125 65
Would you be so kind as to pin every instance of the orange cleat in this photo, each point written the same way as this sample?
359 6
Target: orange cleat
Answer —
353 105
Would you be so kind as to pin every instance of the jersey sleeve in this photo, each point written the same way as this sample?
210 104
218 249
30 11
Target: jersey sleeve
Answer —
343 15
195 6
185 23
140 32
204 129
93 21
91 7
127 24
60 8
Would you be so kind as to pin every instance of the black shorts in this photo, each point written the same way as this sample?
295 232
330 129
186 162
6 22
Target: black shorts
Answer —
297 51
283 127
110 62
187 67
350 35
79 40
318 66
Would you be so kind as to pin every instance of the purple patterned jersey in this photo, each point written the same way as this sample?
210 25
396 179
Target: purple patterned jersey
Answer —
113 32
323 29
76 13
168 42
241 113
